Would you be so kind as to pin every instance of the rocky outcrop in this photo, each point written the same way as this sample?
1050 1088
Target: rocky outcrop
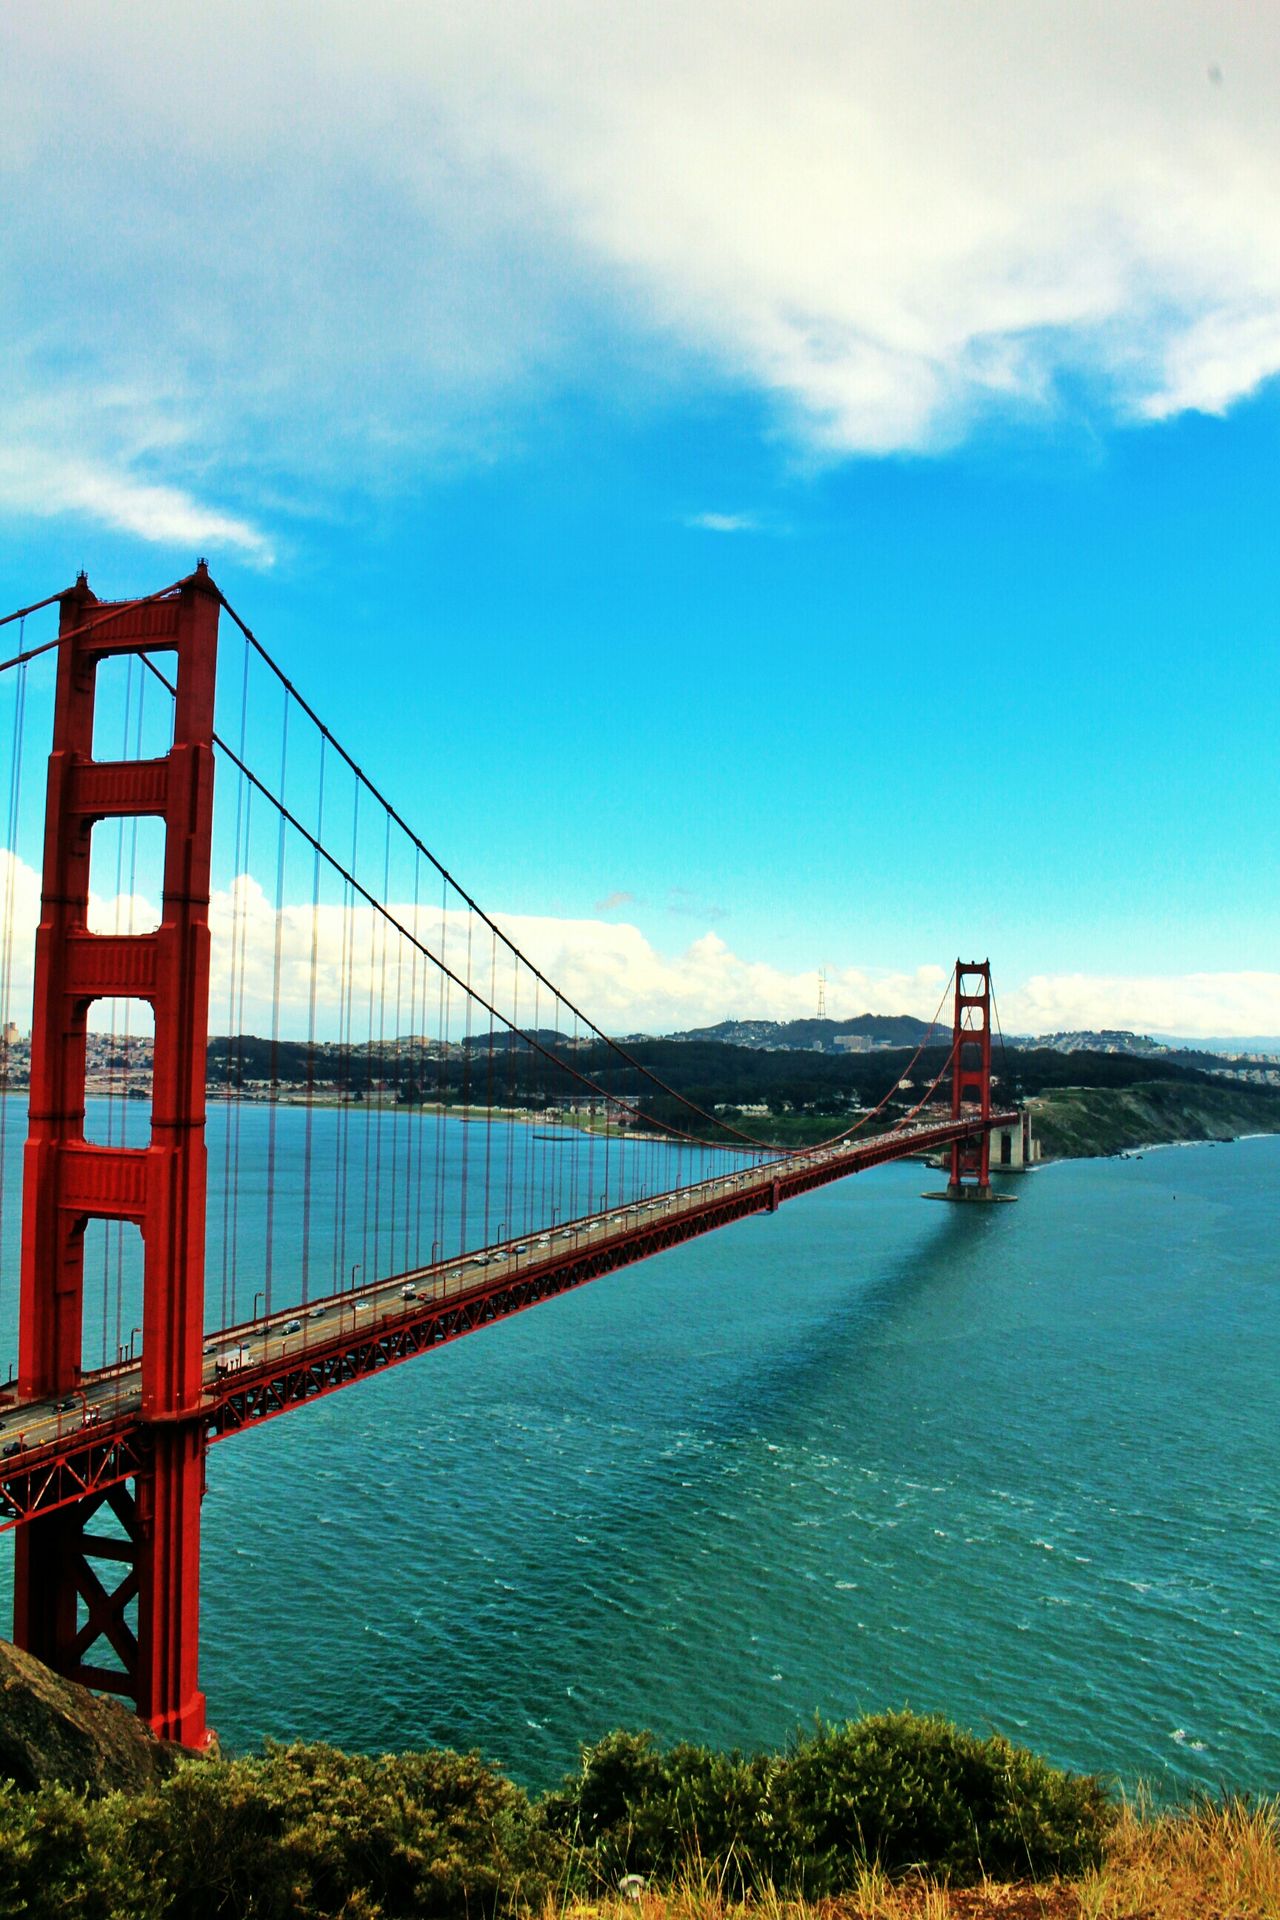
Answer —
52 1729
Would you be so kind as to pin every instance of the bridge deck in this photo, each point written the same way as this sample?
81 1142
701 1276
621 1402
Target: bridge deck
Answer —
257 1370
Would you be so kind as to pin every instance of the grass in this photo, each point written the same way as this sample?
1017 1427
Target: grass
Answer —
1209 1862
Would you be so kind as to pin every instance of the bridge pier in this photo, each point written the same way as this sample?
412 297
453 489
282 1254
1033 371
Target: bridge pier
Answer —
1014 1149
968 1194
168 1501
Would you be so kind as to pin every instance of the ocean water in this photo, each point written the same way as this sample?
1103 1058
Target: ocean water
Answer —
1019 1465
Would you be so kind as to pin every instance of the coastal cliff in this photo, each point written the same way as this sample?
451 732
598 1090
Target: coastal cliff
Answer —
1078 1122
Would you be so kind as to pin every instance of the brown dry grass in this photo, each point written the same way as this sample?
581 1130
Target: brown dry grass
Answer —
1212 1863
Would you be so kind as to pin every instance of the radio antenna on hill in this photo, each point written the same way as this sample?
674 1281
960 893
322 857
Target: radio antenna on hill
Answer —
822 993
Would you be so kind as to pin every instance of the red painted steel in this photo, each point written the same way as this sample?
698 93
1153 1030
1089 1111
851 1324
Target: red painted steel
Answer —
161 1187
971 1075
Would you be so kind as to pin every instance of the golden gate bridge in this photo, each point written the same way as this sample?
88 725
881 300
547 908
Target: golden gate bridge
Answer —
388 995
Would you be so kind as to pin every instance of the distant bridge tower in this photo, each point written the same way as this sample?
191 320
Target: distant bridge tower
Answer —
971 1079
74 1591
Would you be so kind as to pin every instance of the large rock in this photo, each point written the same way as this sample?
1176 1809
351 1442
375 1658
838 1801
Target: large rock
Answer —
53 1729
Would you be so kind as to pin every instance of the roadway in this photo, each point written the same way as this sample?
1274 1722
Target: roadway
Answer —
111 1395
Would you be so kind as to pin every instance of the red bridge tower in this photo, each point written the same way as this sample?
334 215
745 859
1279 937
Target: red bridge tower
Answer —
971 1079
65 1605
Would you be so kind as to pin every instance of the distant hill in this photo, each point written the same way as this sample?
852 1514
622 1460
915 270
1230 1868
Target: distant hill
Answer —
499 1040
1095 1040
782 1036
1266 1043
1232 1057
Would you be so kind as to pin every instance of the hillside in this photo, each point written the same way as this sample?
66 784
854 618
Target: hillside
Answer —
792 1095
876 1029
1072 1122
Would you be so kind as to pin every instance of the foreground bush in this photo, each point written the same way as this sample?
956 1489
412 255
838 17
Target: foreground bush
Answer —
307 1832
302 1833
633 1809
897 1791
61 1854
902 1790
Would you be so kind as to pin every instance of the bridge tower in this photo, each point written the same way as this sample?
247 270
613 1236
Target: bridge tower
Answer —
971 1079
73 1589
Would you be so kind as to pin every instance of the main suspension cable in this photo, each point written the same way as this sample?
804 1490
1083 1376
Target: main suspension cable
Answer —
749 1142
376 793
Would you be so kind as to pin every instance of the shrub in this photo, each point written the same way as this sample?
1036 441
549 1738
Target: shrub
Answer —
897 1790
60 1854
905 1790
633 1809
306 1832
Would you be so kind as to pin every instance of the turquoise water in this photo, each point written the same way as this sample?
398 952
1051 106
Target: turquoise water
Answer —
1019 1465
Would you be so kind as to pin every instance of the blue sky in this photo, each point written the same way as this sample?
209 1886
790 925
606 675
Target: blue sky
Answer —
745 480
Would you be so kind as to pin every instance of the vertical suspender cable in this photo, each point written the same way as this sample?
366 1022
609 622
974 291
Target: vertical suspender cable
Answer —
489 1092
418 1024
514 1198
466 1090
385 931
398 1092
231 1088
367 1269
243 862
308 1137
10 911
439 1218
274 1092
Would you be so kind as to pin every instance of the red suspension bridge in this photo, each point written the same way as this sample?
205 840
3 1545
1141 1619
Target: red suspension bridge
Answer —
466 1142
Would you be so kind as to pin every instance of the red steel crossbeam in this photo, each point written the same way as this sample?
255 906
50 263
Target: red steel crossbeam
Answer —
61 1474
68 1181
72 1469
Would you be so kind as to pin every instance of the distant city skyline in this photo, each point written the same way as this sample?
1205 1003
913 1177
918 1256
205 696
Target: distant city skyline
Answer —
763 492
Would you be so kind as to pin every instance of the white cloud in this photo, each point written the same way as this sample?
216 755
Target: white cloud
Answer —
44 482
611 970
1216 359
355 244
899 218
723 522
1193 1005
